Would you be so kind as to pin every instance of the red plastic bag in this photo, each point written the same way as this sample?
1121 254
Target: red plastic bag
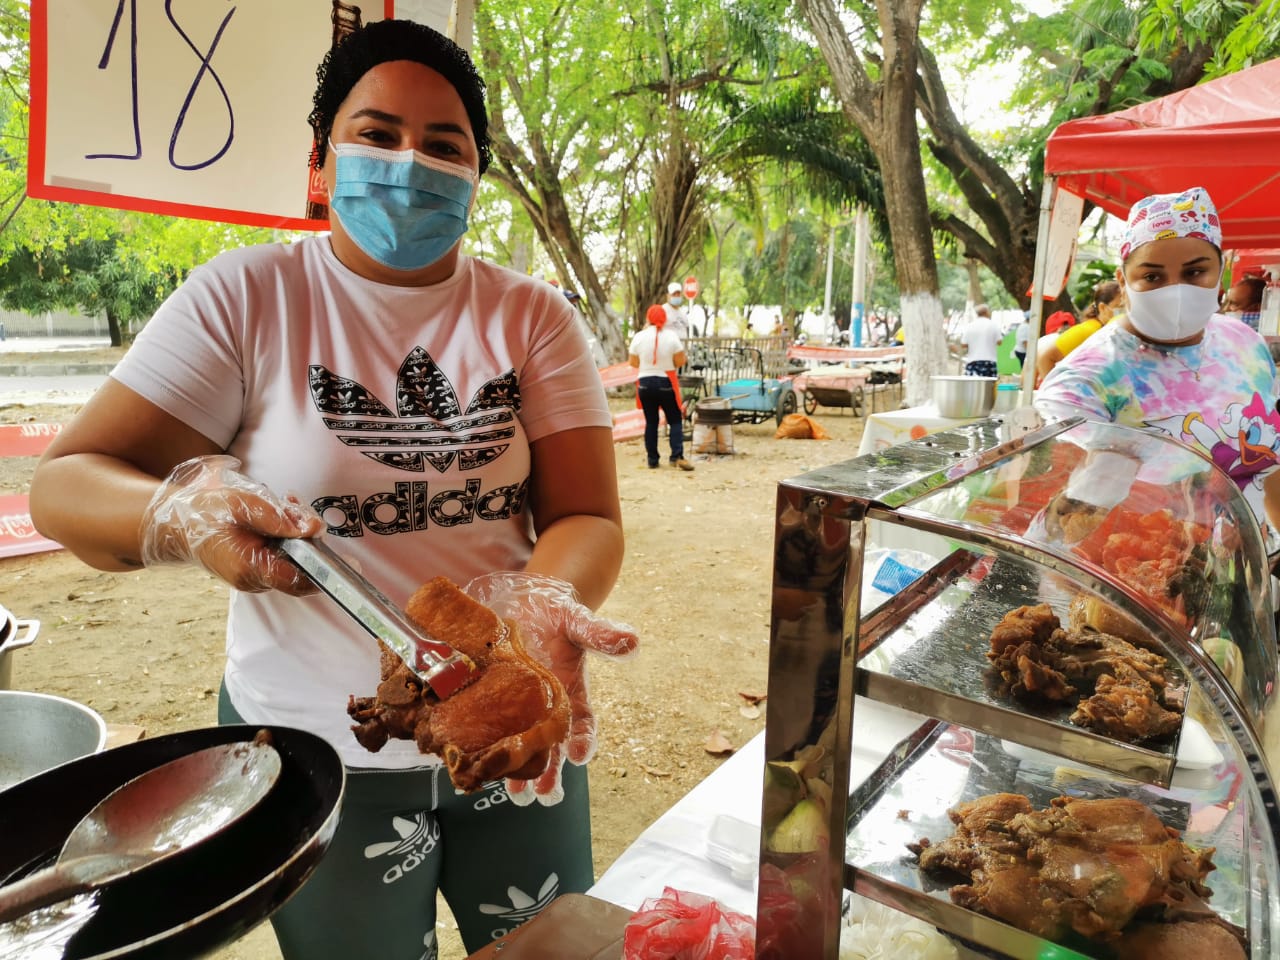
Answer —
688 926
791 926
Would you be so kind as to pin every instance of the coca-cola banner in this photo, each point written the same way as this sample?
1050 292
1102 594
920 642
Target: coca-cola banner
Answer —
18 536
194 110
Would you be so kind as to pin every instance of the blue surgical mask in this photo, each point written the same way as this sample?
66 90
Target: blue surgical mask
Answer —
402 208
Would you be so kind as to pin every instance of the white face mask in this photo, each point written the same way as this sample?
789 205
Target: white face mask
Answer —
1172 313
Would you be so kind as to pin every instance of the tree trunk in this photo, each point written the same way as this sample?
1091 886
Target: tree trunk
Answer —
975 284
671 225
532 178
1008 209
906 201
885 112
113 328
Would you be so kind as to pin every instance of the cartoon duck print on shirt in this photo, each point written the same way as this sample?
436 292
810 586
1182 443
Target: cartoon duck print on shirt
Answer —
428 426
1244 443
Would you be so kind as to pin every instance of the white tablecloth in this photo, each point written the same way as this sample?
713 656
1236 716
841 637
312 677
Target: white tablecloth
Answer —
673 851
892 427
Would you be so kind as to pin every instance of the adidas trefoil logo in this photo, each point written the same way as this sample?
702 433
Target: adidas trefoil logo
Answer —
428 426
522 905
417 837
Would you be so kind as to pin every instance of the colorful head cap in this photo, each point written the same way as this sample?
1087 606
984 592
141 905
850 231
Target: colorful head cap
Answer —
1162 216
657 316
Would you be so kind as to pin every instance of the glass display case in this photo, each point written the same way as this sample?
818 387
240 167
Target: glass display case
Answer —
1083 612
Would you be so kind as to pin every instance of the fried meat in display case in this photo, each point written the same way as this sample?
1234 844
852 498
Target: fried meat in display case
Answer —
1082 614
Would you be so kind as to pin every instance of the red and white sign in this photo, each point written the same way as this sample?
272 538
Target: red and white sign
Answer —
26 439
691 288
191 110
18 536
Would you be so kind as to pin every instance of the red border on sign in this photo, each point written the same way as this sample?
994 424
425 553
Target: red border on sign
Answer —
18 536
27 439
36 152
36 155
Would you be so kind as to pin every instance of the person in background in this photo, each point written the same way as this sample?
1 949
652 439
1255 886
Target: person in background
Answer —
1054 324
1172 365
1022 338
438 415
1105 305
677 313
1244 300
982 338
657 353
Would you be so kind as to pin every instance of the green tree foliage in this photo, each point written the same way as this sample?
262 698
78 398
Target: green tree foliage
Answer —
1087 58
1238 33
618 130
788 267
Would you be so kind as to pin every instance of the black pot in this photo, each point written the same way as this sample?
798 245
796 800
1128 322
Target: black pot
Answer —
194 902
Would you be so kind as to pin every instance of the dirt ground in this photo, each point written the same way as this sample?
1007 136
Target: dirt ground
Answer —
147 648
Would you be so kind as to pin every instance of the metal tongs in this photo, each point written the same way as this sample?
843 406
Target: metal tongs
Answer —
440 666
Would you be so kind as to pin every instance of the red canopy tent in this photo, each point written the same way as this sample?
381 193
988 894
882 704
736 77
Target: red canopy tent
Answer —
1223 135
1257 262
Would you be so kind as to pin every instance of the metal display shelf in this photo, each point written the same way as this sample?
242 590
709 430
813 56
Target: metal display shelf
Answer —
913 661
989 518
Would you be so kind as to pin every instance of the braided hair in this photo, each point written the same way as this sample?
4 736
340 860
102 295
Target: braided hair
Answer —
383 41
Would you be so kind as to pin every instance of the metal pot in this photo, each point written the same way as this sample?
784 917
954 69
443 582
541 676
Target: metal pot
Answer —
39 731
196 901
963 397
14 633
1008 396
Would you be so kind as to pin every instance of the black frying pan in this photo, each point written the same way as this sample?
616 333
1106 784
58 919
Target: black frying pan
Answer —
197 901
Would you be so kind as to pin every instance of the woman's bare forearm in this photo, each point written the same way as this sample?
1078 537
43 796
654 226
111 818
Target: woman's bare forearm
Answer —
584 550
92 504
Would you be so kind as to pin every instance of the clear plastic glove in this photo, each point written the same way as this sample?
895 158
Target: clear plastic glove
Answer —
557 630
207 512
1104 479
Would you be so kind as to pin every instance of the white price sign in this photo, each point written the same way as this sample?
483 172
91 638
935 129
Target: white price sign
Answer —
193 108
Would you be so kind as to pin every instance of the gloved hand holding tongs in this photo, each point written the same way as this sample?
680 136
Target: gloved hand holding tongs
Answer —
208 513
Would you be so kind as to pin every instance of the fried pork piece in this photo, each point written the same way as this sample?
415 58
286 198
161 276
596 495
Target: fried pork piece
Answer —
1027 670
1086 866
1091 656
1131 696
1125 706
1018 651
1072 520
1029 623
1184 940
501 724
1090 613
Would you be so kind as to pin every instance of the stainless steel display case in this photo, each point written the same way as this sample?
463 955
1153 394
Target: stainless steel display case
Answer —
1001 513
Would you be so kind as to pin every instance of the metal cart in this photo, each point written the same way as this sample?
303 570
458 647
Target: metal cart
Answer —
737 374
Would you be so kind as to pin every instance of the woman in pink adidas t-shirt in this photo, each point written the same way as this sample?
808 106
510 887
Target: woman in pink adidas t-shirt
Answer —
435 415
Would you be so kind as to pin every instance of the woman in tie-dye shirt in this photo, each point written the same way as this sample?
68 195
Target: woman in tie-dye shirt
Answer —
1173 365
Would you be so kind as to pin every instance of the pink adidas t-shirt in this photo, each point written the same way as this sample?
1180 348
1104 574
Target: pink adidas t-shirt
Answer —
402 414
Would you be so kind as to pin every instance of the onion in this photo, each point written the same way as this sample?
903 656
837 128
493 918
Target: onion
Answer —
872 931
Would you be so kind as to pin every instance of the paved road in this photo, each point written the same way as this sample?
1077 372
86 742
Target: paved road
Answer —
58 389
51 345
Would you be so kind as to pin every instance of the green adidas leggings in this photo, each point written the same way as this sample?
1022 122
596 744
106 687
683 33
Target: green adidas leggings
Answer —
403 835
